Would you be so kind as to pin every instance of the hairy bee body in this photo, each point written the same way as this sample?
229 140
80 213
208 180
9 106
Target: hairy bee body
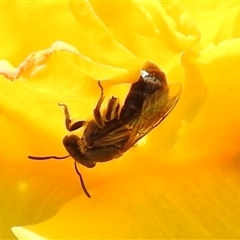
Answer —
87 150
112 133
116 129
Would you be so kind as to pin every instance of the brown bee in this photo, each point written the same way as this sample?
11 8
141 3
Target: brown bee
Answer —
112 132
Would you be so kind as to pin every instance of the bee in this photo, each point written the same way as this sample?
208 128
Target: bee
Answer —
116 129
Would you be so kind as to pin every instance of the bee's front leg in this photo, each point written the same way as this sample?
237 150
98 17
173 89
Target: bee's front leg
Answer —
68 123
97 114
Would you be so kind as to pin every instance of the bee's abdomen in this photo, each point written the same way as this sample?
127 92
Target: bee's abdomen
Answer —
151 80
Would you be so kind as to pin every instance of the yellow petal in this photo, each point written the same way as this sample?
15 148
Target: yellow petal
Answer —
190 191
187 202
219 68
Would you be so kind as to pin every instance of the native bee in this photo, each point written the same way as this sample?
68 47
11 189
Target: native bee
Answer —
113 131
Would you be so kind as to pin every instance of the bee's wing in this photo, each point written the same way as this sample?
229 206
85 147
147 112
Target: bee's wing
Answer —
155 108
115 137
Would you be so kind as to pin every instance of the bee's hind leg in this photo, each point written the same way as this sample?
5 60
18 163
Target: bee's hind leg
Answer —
97 114
68 123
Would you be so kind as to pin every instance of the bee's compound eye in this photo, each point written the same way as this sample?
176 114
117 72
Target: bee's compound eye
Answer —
70 140
71 143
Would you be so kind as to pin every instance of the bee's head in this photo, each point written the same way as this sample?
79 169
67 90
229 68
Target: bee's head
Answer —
71 143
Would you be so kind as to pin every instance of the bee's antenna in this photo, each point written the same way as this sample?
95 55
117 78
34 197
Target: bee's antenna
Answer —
75 166
48 157
81 180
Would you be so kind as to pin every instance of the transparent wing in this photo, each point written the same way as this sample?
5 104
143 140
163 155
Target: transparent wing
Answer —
155 108
115 137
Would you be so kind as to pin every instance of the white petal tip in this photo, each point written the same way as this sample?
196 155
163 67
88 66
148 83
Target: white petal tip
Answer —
22 233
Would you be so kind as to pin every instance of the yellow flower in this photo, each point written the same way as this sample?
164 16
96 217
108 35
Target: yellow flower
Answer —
182 182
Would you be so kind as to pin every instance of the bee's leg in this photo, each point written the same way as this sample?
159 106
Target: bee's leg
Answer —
97 114
68 123
112 110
